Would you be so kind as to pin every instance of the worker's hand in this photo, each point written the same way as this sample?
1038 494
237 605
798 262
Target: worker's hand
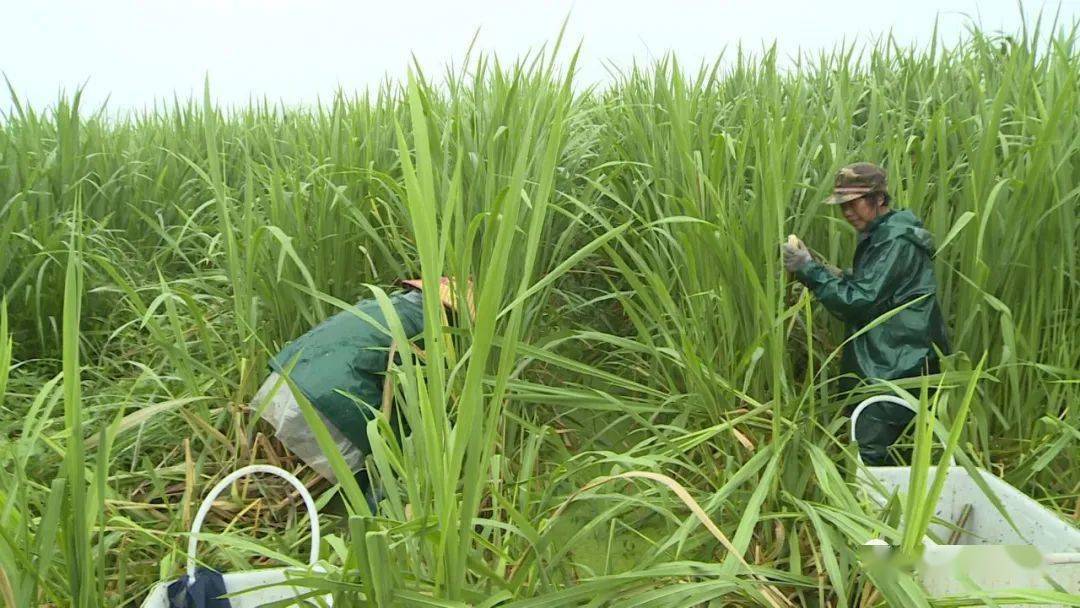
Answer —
796 255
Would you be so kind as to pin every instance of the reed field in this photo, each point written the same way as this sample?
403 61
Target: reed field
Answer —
643 411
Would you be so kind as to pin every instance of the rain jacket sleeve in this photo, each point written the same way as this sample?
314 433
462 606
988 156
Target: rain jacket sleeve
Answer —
859 296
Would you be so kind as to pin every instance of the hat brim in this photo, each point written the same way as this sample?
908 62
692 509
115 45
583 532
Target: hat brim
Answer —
446 293
840 199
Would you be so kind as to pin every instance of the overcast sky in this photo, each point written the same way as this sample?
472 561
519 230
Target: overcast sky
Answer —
297 50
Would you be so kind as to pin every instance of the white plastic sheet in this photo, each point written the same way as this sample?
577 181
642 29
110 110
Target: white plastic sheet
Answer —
1042 551
283 413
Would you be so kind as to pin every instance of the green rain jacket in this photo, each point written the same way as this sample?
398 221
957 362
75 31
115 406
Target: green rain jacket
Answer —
893 266
340 363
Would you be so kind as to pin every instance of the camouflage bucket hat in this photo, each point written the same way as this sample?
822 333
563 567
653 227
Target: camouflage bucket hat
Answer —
857 180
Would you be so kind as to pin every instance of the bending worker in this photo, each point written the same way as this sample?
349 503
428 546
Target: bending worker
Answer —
340 367
893 267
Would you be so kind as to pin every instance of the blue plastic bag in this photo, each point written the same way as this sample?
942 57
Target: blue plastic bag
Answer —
206 592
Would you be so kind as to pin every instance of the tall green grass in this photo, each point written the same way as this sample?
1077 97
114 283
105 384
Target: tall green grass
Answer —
637 358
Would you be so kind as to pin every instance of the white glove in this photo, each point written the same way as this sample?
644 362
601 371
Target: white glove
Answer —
796 255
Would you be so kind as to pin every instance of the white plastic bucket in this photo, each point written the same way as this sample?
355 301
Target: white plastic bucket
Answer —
990 554
244 588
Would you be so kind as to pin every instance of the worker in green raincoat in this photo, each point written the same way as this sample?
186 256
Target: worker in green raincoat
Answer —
340 366
893 268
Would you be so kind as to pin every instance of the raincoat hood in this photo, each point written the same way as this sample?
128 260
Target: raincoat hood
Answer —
902 225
